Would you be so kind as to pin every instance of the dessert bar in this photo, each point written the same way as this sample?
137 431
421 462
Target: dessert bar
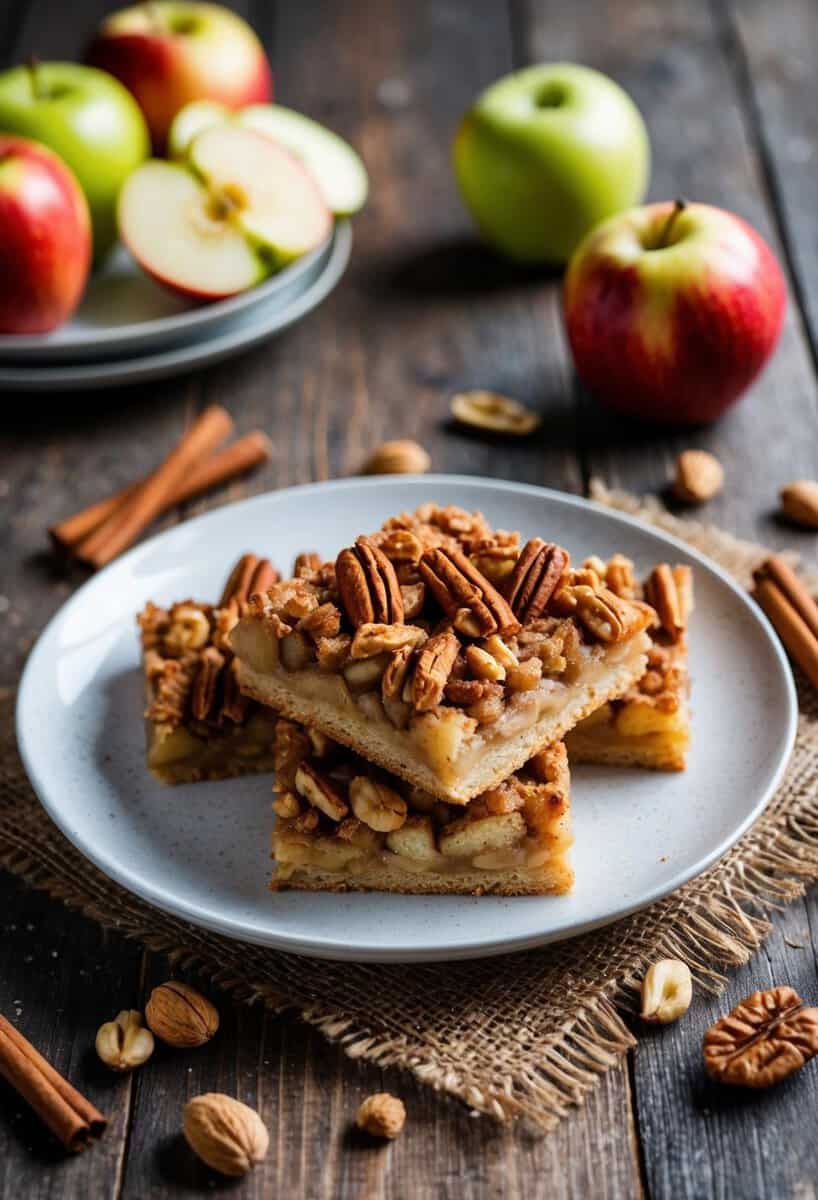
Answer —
199 725
344 825
441 650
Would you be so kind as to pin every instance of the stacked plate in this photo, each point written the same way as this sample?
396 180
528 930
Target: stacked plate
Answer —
128 329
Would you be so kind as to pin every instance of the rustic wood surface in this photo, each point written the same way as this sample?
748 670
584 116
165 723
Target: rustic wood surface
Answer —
729 93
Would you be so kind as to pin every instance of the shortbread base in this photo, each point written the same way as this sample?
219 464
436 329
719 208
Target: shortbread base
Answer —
550 880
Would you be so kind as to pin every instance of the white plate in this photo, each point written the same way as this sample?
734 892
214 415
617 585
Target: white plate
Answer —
229 338
201 851
124 311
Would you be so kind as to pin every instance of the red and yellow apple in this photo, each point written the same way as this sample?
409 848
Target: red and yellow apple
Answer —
237 209
45 250
672 310
169 52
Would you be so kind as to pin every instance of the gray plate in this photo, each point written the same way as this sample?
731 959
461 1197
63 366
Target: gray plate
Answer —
229 338
201 851
125 312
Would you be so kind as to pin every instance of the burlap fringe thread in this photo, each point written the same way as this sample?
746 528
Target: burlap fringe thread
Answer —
528 1036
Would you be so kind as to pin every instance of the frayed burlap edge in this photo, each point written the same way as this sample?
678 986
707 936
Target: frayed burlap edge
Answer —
526 1036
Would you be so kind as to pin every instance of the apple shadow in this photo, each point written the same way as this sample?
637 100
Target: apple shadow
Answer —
458 267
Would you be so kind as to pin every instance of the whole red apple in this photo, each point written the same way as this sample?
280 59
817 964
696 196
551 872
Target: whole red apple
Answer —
45 248
169 52
672 310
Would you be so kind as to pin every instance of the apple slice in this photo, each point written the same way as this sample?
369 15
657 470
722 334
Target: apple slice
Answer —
241 208
336 168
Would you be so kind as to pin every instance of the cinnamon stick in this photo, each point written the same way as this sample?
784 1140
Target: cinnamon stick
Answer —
126 522
787 581
69 1116
799 640
244 454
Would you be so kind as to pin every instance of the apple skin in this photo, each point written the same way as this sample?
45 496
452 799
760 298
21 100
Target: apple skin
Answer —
676 332
545 154
170 52
90 120
45 250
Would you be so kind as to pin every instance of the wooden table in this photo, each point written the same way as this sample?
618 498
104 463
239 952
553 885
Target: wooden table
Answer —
728 90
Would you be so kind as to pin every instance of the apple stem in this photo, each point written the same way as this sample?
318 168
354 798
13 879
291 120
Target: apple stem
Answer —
679 207
32 66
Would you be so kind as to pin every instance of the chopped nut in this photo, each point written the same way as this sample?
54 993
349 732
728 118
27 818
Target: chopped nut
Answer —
663 595
124 1043
619 577
333 652
608 617
491 410
483 665
799 502
322 622
497 648
189 630
397 673
286 805
364 674
415 839
765 1038
382 1115
320 792
377 805
403 457
699 476
227 1135
667 991
414 597
180 1015
372 639
205 686
524 676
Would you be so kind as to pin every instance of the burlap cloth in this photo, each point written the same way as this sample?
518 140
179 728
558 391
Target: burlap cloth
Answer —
528 1035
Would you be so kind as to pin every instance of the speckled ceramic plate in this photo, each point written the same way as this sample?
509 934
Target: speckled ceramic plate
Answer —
201 851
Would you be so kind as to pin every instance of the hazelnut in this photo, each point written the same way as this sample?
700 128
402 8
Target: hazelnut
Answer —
667 991
124 1043
403 457
226 1134
799 502
382 1115
180 1015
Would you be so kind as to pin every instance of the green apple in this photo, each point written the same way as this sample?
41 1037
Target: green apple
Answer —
238 208
547 153
336 168
90 120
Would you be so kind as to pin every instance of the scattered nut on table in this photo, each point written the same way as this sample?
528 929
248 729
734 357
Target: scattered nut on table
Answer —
765 1038
124 1043
382 1115
667 991
799 502
403 457
493 411
180 1015
699 476
226 1134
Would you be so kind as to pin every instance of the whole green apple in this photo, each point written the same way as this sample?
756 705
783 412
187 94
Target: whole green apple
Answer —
545 154
90 120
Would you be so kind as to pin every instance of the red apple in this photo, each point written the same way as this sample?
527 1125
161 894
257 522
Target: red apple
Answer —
672 310
169 52
45 248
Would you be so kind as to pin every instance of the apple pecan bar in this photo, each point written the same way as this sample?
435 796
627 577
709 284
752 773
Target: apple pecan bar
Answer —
648 726
344 825
199 725
440 649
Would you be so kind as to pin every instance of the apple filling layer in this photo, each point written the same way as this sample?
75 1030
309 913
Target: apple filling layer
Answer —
199 725
650 725
342 824
441 650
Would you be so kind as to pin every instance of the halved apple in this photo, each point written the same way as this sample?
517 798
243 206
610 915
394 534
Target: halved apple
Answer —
239 209
336 168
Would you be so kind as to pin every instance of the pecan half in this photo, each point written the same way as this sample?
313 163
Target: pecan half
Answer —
306 564
396 673
763 1040
535 578
206 684
368 585
319 791
663 593
250 575
434 665
619 577
608 617
468 691
456 584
